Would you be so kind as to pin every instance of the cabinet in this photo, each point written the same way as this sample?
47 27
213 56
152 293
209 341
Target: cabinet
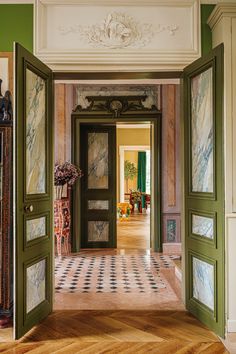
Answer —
6 268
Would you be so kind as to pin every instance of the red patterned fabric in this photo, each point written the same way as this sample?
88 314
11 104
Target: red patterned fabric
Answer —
62 222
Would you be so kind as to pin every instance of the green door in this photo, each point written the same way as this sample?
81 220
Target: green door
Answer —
204 190
98 186
33 176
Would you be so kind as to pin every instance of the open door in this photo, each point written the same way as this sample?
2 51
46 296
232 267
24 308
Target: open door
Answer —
204 190
98 186
33 178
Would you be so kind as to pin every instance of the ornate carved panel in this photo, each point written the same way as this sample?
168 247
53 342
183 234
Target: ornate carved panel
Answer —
118 35
116 106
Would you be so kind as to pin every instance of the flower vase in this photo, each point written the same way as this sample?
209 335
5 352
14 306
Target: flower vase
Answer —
59 190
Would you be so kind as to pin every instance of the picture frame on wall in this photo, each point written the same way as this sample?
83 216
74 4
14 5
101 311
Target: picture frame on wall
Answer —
6 71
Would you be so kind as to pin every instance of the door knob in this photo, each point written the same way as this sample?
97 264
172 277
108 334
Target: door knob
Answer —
29 208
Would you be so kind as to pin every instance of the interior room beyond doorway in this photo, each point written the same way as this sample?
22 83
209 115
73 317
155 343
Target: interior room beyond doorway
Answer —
133 186
111 279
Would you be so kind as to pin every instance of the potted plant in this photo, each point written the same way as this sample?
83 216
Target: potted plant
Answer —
130 172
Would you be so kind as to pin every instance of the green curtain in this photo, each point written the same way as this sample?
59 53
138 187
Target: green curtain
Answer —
142 174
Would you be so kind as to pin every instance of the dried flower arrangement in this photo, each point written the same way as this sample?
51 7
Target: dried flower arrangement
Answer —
65 173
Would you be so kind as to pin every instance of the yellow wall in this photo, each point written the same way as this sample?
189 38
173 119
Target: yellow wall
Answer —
132 156
131 137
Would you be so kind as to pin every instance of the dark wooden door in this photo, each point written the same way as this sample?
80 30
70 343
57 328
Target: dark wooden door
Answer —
98 186
33 193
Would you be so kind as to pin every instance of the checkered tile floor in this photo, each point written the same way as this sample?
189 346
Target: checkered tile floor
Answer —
111 273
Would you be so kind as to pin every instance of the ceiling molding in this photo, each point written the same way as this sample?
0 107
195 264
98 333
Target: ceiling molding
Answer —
159 35
15 2
221 10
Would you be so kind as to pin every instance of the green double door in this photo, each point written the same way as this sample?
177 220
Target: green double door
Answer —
33 191
204 190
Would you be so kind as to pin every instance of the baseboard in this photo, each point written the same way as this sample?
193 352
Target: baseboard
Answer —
231 326
178 273
172 248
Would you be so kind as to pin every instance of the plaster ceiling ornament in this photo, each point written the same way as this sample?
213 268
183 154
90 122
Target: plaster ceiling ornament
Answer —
118 31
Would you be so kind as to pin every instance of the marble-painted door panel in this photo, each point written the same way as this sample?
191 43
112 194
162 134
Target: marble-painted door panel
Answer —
98 204
202 131
98 160
98 231
203 282
35 133
35 228
35 285
203 226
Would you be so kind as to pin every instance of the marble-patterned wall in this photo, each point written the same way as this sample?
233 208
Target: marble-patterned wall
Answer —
151 91
171 193
65 101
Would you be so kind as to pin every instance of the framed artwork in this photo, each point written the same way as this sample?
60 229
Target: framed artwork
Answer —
6 71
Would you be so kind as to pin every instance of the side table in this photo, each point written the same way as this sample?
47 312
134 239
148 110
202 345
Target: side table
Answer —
62 222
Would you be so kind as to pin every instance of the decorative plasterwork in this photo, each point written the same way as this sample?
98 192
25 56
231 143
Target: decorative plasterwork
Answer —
118 30
112 35
116 106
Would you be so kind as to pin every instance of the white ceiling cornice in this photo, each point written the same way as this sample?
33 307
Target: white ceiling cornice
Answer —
222 9
15 2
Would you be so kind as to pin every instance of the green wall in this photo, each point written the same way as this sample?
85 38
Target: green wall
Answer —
16 24
206 38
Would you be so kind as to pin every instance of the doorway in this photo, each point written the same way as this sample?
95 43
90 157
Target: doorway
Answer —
98 278
129 109
116 106
134 179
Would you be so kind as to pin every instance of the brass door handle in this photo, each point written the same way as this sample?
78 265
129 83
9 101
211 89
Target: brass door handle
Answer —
29 208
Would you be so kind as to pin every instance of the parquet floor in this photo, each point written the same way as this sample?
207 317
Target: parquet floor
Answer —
135 232
95 332
119 322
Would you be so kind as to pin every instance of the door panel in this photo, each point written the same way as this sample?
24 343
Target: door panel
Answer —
33 191
98 186
204 194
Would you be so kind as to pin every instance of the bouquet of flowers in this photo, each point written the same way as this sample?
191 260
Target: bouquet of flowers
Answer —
66 173
136 195
123 210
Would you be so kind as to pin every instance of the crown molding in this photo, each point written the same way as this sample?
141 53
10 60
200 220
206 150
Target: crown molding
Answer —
221 10
16 2
71 43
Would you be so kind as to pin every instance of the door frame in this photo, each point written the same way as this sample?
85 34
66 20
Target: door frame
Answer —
152 116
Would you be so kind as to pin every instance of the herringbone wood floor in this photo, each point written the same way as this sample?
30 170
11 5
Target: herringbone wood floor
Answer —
94 332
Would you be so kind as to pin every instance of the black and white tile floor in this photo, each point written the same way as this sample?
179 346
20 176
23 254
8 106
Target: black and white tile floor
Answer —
111 273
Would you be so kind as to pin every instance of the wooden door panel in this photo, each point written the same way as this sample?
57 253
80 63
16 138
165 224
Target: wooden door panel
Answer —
204 189
98 186
33 191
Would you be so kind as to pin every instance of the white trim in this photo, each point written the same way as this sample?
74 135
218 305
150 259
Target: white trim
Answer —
122 150
215 2
231 326
16 2
63 57
121 82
